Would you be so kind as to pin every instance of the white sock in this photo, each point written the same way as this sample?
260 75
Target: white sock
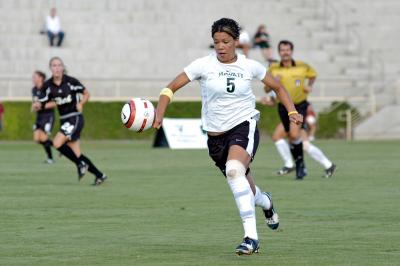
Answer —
243 195
261 200
284 151
319 156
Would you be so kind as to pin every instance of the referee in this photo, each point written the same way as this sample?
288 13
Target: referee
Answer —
293 75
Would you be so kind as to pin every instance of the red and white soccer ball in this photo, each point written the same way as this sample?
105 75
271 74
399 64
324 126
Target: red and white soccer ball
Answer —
138 114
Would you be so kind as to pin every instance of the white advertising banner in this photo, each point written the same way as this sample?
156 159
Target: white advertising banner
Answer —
184 133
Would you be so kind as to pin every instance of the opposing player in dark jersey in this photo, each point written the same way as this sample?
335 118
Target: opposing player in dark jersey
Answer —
69 96
44 118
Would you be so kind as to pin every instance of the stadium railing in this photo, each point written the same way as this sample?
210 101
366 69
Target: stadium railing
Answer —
121 89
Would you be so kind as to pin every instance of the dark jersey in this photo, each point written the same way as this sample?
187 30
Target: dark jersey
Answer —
264 42
39 94
66 96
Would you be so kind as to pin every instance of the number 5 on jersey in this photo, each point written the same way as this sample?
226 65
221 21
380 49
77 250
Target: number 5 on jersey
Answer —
230 85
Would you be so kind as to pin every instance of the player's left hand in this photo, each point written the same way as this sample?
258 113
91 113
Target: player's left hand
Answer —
36 106
157 122
307 89
296 118
267 101
79 107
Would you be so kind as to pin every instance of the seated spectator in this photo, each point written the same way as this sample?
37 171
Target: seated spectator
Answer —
261 40
244 42
53 28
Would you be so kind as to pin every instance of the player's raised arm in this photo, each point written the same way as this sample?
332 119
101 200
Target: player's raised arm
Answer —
270 82
166 96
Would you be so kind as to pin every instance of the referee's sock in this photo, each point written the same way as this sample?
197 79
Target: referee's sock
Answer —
284 151
296 148
69 153
47 147
92 168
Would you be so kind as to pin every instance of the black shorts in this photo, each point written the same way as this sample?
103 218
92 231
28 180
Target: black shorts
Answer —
72 126
44 122
245 135
283 114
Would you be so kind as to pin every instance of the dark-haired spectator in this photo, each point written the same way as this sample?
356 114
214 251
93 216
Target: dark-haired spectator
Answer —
53 28
262 40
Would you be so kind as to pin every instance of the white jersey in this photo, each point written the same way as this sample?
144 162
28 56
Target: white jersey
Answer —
227 96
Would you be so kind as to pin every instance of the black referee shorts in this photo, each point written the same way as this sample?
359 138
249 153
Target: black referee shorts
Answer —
72 126
283 114
245 135
44 122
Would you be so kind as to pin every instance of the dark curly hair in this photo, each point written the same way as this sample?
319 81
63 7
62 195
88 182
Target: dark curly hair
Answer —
226 25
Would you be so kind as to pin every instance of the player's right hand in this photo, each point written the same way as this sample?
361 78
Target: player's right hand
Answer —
296 118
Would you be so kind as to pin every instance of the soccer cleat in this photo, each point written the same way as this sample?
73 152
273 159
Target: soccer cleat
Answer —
248 247
301 170
82 169
285 170
49 161
330 171
271 216
99 180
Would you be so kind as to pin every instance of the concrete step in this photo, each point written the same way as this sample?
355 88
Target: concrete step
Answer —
359 73
312 24
334 48
383 125
350 60
324 36
312 57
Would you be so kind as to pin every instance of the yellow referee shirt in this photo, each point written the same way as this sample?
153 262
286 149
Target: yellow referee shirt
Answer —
293 78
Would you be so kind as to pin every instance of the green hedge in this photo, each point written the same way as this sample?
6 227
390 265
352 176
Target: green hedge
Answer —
102 121
329 126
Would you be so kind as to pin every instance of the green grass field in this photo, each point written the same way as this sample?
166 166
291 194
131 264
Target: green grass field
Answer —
163 207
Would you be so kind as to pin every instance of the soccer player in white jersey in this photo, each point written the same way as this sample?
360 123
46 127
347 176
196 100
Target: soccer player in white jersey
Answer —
230 119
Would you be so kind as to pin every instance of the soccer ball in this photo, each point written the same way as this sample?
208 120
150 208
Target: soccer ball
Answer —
138 114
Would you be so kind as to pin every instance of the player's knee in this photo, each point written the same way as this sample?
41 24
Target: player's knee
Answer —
57 144
294 137
275 138
234 169
43 138
36 138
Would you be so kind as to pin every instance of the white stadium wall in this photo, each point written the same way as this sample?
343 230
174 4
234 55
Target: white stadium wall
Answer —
133 48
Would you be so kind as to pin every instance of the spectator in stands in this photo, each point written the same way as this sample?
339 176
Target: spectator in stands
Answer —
244 42
262 40
53 28
1 116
